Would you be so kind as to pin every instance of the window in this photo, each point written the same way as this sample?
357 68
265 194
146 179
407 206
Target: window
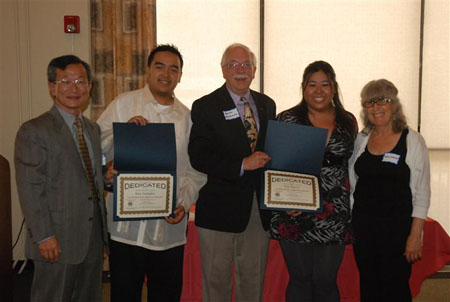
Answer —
202 29
362 39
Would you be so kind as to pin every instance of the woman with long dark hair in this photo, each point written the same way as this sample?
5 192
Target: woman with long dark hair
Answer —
313 244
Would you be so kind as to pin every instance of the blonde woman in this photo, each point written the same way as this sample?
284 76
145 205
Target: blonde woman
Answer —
390 181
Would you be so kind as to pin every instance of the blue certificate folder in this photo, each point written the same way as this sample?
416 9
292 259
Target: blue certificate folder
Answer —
293 148
149 149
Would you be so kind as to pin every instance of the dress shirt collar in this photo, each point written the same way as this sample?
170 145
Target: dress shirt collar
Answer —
150 99
69 119
240 105
237 98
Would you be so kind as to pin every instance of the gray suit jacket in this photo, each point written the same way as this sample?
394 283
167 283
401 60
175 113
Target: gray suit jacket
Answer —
53 188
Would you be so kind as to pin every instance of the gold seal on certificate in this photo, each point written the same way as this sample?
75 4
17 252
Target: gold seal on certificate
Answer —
141 196
291 191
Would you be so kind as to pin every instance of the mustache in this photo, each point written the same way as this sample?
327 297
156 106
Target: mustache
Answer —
240 76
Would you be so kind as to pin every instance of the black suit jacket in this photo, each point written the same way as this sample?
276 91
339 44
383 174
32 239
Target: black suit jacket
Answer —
217 147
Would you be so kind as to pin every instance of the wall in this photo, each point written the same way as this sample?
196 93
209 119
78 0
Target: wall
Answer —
32 34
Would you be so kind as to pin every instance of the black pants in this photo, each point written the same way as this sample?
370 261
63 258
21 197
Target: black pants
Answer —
313 270
130 264
384 270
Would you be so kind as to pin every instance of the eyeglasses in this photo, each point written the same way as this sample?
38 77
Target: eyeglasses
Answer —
236 65
65 83
376 101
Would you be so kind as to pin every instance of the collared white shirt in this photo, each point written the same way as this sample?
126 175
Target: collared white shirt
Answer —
153 234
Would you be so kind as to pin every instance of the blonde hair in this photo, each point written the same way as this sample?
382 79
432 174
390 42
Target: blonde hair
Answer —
383 88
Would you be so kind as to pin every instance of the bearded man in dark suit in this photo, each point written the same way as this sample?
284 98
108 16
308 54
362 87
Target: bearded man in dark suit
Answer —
60 185
226 140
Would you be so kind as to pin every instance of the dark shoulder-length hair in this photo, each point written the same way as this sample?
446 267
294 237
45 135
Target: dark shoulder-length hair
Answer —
343 118
383 88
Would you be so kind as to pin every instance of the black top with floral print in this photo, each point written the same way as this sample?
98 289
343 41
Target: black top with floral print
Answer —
332 226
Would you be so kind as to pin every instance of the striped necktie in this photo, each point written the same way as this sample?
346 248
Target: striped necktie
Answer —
86 158
250 123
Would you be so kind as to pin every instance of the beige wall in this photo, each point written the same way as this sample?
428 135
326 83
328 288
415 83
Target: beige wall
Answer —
32 33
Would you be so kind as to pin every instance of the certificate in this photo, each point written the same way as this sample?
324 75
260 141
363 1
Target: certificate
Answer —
290 179
145 157
291 191
144 195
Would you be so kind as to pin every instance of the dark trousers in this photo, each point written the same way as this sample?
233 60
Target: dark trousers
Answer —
130 264
383 269
313 270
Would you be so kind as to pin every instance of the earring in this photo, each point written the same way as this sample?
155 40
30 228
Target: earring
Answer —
332 103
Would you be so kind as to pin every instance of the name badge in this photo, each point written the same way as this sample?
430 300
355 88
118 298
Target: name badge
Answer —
391 158
231 114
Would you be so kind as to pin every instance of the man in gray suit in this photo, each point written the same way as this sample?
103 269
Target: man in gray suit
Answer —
60 185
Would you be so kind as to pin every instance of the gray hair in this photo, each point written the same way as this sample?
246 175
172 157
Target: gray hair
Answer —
383 88
252 56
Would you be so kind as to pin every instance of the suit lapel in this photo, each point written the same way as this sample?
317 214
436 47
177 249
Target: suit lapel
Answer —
262 116
65 136
95 142
65 139
235 126
93 136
